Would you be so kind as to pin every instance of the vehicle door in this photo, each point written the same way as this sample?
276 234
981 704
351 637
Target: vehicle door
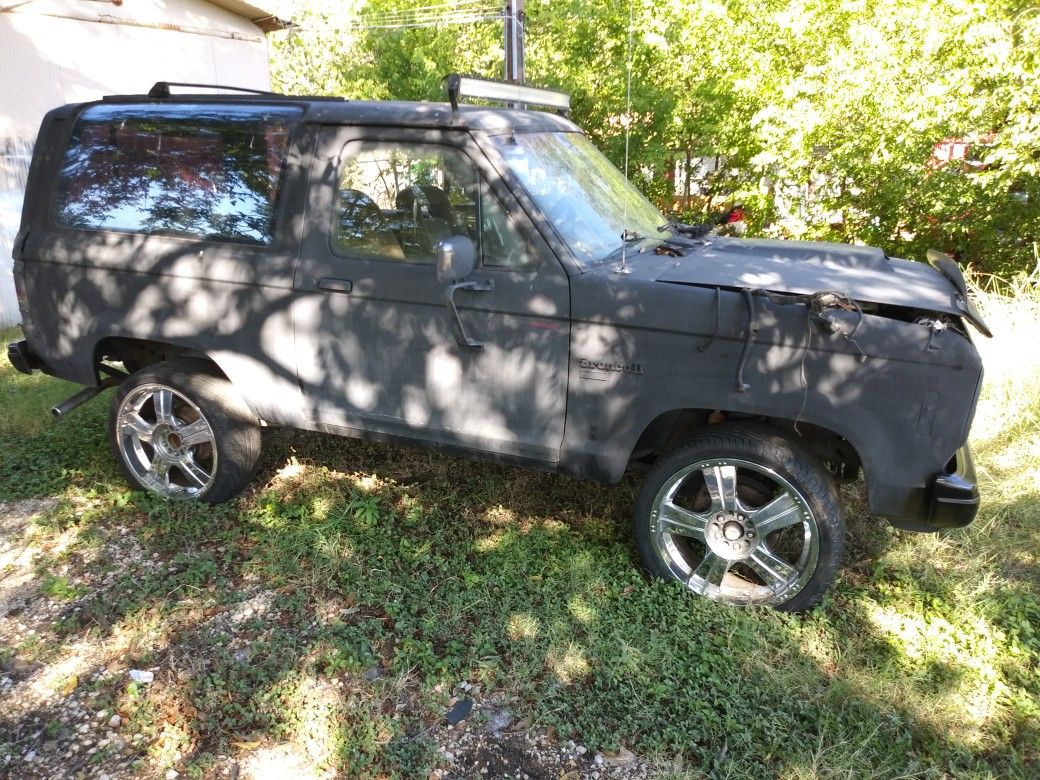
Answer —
386 348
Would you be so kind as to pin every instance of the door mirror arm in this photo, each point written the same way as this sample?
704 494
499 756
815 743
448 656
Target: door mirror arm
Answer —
456 321
456 258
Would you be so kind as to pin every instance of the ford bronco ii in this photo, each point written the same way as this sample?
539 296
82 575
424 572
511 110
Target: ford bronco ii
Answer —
482 280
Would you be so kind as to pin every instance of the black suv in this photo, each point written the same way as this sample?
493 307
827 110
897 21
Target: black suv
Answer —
484 281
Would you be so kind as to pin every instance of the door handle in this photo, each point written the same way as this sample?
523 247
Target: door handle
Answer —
456 321
336 285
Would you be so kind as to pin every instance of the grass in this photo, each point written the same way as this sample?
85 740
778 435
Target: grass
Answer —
384 578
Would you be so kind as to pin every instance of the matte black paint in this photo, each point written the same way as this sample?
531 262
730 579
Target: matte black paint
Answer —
578 363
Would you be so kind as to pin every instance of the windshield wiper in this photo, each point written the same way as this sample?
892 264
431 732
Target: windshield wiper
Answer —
700 230
627 238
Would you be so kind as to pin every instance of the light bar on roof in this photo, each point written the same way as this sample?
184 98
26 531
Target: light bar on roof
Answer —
485 89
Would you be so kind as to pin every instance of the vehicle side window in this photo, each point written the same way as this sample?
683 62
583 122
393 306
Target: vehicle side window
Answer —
399 201
199 171
501 243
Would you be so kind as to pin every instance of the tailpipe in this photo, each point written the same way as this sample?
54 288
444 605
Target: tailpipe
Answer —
87 393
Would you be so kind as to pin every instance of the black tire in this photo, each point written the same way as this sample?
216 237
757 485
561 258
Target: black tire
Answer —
679 523
227 458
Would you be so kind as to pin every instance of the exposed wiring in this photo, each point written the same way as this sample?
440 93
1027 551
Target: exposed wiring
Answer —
816 308
801 368
820 302
715 333
752 329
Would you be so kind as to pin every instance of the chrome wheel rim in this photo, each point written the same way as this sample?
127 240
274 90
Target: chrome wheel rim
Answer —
735 531
166 442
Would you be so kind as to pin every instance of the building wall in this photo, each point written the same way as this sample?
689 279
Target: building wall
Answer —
54 52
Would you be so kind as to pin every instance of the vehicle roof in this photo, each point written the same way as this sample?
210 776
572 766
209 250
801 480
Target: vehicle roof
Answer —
319 110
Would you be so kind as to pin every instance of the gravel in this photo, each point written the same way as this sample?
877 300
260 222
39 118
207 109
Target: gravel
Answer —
492 743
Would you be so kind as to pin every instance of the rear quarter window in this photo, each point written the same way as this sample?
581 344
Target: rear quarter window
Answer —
199 171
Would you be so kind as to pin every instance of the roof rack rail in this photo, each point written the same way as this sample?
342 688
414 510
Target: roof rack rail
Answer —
161 89
458 86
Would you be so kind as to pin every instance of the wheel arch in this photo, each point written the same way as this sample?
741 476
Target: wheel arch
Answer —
135 353
273 393
672 428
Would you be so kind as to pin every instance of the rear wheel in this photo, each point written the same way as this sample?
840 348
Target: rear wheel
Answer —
182 432
742 516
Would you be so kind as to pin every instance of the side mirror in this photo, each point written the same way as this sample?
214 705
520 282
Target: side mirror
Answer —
456 259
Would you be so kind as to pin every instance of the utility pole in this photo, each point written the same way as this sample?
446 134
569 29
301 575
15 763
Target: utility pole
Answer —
514 40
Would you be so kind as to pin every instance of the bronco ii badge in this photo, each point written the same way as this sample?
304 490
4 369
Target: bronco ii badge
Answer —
599 365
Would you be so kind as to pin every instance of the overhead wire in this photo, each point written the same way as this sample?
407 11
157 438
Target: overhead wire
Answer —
410 18
424 8
628 125
436 14
427 16
429 23
442 13
405 13
462 12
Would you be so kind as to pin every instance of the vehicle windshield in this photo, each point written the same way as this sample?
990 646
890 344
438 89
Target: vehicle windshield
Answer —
581 193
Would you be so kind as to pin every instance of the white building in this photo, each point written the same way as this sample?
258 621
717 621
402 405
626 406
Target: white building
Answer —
54 52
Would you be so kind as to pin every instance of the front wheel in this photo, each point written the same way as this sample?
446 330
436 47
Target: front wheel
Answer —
742 515
180 431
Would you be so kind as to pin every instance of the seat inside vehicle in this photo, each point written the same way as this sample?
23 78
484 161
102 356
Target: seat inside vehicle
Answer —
363 226
426 219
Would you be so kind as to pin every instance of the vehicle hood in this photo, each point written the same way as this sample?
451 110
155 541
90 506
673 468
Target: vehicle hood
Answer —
864 274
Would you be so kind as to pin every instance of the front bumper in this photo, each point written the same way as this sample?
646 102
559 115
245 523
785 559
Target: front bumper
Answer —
21 357
950 501
955 494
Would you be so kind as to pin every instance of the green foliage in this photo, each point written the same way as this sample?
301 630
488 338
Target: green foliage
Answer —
826 112
59 588
328 56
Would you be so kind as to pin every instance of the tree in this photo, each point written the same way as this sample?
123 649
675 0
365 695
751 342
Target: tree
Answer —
828 113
